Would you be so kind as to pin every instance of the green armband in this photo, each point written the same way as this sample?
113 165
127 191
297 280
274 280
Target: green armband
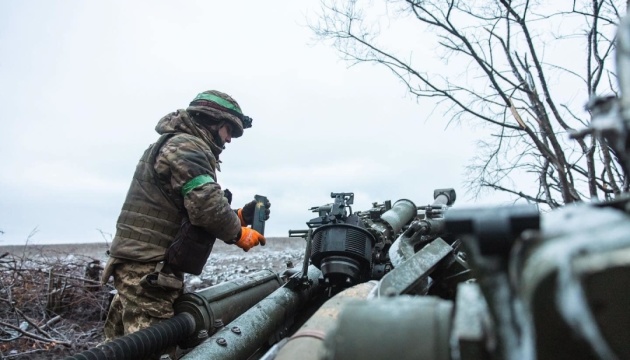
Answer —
195 182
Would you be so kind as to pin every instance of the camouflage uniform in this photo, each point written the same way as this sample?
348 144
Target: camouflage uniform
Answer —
135 307
176 177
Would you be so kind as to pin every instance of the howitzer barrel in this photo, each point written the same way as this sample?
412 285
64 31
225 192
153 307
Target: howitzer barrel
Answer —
198 315
245 335
217 305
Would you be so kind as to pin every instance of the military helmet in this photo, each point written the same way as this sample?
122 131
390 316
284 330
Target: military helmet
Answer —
220 106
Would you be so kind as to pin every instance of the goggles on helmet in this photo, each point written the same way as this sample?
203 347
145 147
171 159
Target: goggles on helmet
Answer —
247 121
216 102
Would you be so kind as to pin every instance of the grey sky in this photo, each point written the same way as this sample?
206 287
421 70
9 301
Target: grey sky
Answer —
82 85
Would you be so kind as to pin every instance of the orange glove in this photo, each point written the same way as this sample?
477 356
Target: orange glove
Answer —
250 238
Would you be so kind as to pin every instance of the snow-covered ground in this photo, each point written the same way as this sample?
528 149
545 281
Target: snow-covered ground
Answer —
226 261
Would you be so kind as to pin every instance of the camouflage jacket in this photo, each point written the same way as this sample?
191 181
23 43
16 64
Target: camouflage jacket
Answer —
175 177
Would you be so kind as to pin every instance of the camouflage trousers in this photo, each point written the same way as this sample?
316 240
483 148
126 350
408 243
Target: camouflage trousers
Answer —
135 307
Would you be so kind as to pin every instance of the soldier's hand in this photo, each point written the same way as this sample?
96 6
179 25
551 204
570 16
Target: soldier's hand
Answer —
246 213
228 195
250 238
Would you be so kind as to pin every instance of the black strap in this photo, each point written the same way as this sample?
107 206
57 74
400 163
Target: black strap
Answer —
155 150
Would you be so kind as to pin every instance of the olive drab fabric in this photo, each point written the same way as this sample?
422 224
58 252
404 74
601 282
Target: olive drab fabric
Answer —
176 176
149 218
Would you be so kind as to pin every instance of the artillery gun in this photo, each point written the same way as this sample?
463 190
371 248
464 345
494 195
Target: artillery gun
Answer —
431 282
420 282
347 257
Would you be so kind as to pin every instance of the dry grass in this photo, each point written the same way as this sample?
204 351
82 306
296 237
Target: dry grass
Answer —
51 306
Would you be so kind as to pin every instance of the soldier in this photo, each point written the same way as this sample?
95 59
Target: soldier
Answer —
174 211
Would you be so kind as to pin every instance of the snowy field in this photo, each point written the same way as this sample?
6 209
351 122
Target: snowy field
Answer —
225 262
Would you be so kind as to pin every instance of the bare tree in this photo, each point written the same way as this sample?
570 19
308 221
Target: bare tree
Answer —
524 69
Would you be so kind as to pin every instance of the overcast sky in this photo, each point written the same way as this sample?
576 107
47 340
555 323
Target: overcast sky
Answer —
83 83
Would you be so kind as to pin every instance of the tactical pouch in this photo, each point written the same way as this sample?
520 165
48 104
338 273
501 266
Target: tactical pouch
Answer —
190 249
162 280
